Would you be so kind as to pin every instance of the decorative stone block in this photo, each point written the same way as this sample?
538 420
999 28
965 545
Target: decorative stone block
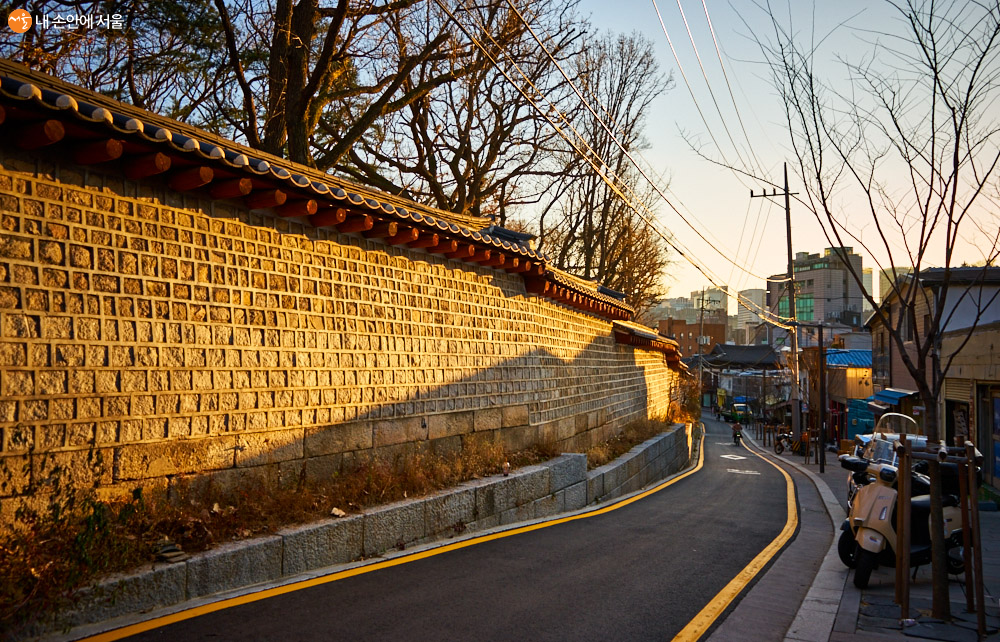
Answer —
566 470
446 510
312 546
338 438
393 526
234 565
157 459
257 448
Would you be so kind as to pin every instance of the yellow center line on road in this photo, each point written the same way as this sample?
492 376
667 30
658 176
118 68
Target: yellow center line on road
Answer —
187 614
708 615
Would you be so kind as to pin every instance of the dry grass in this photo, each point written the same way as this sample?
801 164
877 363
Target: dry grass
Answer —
79 539
631 435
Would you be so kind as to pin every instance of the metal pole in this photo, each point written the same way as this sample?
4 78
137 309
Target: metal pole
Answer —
794 332
821 442
796 405
701 368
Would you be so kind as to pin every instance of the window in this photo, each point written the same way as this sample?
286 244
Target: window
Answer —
805 307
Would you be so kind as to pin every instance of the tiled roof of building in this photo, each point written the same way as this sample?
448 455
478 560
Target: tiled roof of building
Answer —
102 130
728 355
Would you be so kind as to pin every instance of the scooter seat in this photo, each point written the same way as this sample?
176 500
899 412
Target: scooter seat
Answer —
924 501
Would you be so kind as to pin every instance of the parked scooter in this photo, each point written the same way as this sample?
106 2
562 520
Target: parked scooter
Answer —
868 537
782 442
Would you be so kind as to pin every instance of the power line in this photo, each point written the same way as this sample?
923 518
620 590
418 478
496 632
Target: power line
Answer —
624 150
771 317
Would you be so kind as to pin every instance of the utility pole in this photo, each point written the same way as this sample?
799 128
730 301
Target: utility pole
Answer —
821 442
796 406
701 365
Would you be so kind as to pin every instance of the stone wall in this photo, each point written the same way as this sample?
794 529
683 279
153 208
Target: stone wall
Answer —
147 335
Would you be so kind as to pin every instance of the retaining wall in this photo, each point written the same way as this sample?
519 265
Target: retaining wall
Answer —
536 492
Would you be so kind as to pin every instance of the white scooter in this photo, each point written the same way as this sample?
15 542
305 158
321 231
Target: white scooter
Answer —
868 537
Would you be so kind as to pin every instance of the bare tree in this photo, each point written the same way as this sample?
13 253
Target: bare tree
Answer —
911 144
477 144
595 222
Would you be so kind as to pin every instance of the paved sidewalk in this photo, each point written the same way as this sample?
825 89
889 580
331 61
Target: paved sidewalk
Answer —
832 609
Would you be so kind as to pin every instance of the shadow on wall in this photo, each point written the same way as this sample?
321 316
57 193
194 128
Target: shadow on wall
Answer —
577 408
533 399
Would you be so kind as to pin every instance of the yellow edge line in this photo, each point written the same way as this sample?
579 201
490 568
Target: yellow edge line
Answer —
180 616
701 622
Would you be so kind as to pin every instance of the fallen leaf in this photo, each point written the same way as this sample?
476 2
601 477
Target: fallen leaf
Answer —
336 512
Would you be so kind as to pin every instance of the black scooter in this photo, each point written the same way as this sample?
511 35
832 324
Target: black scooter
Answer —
737 435
868 535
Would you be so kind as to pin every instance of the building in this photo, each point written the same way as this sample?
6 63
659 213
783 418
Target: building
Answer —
969 405
887 277
751 303
848 375
686 335
866 279
825 290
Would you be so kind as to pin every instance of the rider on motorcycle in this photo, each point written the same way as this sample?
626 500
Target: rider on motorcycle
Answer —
737 432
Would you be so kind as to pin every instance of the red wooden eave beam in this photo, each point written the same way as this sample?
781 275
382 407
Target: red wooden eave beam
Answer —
232 188
265 199
426 239
498 260
537 286
464 252
446 246
328 217
305 207
40 134
98 151
480 255
356 224
382 230
146 165
190 179
403 236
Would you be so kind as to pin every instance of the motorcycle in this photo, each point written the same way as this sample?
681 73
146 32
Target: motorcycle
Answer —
737 435
868 535
782 442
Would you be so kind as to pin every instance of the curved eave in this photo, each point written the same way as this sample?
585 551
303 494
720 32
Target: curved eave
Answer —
144 145
628 334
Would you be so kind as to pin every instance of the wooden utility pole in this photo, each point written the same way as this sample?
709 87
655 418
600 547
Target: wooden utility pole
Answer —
794 333
701 366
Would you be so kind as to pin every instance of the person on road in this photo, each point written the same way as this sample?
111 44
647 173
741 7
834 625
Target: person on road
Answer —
737 432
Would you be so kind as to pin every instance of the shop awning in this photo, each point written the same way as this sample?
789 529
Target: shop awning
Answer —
877 407
893 395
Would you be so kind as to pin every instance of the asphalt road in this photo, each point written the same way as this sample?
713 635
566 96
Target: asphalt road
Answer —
641 572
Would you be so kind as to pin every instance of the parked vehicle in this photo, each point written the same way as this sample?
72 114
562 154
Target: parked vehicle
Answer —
868 535
879 446
782 442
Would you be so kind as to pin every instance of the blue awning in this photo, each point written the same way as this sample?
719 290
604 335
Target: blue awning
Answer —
893 395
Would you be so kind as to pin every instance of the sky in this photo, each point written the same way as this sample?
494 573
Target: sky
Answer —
747 232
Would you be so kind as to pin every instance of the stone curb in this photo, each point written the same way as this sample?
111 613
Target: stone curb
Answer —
560 485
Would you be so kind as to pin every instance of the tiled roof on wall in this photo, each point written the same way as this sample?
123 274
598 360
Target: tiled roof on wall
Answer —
48 111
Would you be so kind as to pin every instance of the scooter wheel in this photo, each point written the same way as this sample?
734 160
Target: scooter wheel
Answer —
867 561
847 548
956 565
778 448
